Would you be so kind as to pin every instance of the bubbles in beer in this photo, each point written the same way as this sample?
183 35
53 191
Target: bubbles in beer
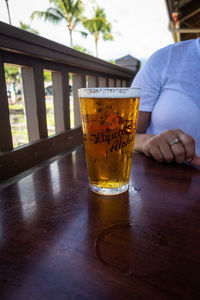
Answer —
109 129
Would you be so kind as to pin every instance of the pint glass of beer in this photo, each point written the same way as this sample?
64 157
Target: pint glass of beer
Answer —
109 118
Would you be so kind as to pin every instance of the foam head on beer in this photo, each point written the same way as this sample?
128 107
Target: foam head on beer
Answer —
109 92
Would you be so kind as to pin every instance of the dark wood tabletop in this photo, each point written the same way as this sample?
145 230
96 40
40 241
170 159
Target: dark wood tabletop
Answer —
59 240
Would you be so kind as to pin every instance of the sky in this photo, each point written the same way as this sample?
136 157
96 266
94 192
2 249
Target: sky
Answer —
140 27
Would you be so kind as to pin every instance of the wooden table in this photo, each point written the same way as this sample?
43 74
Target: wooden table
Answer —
58 240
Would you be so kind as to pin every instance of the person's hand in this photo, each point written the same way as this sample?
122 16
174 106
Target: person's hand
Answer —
171 145
195 160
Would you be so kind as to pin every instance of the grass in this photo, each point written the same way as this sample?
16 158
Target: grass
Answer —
19 125
16 106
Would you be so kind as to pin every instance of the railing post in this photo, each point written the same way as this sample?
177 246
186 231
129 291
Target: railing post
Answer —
93 81
40 99
78 81
5 128
61 100
30 103
118 83
102 82
111 82
124 84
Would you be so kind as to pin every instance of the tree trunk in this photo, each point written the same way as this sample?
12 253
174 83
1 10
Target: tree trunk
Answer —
71 41
8 12
96 46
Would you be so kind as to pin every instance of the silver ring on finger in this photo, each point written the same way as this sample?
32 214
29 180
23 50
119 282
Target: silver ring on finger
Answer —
175 141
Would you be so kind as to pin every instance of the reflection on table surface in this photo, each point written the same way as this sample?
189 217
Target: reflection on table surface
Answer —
59 240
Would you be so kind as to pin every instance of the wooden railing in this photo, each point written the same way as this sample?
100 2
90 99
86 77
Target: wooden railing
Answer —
35 54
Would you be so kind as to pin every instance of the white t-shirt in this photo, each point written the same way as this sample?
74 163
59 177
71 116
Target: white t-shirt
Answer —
170 89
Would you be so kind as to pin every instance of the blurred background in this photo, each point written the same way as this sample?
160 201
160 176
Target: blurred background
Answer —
108 29
139 27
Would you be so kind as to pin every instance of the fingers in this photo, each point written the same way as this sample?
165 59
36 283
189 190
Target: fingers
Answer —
188 143
182 150
167 152
162 148
195 161
178 151
156 153
154 147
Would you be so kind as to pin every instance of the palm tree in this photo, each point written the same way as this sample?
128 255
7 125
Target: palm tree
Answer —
98 26
8 9
69 11
28 28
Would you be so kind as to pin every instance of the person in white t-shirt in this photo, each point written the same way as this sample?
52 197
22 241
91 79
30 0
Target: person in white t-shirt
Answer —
169 114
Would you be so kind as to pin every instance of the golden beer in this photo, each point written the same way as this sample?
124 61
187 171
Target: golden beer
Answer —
109 118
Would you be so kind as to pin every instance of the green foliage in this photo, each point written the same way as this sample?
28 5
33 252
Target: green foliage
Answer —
112 61
11 73
47 76
51 14
69 11
28 28
98 26
82 49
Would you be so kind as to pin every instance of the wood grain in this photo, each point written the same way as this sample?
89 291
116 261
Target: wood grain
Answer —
51 222
5 128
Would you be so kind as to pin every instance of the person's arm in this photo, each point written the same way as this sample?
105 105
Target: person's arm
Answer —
150 79
142 124
158 146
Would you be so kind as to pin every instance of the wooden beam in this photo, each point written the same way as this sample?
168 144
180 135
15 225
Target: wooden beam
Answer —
5 128
103 82
93 81
22 42
60 83
40 99
20 159
189 8
182 19
78 81
111 82
186 30
30 102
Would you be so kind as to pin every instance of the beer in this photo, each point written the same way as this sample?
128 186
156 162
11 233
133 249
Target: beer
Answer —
109 124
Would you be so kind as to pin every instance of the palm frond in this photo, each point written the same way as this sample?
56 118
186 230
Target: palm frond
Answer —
83 34
58 13
78 9
46 15
28 28
108 37
58 3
